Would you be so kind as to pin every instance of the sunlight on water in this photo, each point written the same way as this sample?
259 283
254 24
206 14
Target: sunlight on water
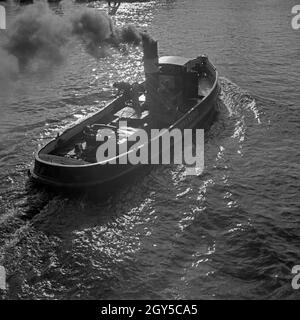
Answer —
227 233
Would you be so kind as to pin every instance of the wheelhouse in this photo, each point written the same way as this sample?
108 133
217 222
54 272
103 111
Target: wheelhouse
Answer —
179 81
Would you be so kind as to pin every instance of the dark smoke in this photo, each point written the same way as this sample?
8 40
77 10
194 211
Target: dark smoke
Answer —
38 36
129 34
37 33
8 69
95 29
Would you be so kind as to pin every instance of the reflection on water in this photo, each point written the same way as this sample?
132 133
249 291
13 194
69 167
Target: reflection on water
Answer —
230 233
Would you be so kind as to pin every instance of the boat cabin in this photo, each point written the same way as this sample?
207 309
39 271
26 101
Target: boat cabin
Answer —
179 83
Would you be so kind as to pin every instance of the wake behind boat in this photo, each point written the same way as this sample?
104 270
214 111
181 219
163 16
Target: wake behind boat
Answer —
177 93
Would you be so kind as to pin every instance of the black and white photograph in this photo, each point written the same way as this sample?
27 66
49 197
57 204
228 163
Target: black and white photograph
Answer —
149 151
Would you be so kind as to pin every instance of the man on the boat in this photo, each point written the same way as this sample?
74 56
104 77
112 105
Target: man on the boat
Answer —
131 92
89 154
124 88
78 151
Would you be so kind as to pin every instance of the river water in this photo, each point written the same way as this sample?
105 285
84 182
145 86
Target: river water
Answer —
231 233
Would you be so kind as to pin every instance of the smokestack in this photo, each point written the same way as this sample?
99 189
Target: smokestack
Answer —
150 48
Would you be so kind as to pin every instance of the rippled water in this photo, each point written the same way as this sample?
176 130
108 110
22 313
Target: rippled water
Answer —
232 232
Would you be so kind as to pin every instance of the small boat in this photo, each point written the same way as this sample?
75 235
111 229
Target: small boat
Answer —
70 160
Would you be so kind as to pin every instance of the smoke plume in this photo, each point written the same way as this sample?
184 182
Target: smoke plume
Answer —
94 28
8 69
129 34
38 35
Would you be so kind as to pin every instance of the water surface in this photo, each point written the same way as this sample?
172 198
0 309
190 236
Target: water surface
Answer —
231 233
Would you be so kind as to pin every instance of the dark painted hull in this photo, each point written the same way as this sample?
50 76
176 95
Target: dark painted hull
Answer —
74 176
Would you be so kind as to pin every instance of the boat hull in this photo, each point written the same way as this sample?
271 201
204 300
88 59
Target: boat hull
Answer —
102 174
